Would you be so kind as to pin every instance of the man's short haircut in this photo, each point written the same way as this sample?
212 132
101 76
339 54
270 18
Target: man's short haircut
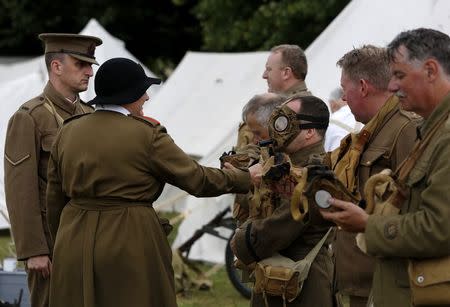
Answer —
370 63
49 57
423 44
314 106
262 106
294 57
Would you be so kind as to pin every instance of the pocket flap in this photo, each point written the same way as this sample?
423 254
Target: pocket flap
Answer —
429 272
371 155
415 176
278 273
47 142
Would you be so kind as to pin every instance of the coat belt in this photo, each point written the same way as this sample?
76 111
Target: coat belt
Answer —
103 203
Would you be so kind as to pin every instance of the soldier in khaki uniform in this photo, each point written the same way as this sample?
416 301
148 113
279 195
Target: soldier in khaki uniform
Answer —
277 232
384 142
111 249
420 68
256 114
285 72
29 138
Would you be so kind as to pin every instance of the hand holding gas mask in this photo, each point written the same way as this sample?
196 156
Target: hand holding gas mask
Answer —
316 183
241 158
317 186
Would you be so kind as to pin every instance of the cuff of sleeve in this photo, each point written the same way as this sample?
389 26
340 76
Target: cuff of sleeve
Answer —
35 253
242 181
243 248
381 234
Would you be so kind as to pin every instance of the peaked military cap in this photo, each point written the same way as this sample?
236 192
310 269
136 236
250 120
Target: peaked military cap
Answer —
79 46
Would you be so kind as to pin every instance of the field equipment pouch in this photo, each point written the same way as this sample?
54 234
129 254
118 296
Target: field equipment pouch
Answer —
281 276
430 281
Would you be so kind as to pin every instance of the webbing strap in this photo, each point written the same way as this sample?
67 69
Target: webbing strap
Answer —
342 125
313 253
407 165
51 108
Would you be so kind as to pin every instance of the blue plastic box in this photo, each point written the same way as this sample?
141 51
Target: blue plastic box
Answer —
10 285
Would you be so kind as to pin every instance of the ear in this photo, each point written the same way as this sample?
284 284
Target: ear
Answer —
287 72
431 67
363 87
56 67
310 133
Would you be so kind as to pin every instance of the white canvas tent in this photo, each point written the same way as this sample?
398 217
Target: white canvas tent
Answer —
24 80
201 110
193 84
368 22
205 95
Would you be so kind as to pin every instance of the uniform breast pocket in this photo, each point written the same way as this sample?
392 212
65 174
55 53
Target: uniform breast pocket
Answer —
416 182
416 177
373 161
47 140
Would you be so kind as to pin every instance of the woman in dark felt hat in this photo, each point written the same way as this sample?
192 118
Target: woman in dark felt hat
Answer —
105 171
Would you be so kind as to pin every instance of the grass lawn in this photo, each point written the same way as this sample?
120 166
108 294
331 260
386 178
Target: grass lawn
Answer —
6 247
222 293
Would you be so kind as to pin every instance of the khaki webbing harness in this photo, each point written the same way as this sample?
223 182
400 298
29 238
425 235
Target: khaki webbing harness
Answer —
50 106
398 180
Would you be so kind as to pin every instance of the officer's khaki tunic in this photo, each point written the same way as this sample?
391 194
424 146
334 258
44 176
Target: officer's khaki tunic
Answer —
30 135
105 171
422 229
281 233
387 148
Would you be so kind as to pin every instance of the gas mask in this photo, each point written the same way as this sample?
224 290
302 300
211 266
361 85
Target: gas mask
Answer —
285 125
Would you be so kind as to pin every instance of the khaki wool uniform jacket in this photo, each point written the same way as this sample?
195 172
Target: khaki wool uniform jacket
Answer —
281 233
29 138
105 171
387 148
422 229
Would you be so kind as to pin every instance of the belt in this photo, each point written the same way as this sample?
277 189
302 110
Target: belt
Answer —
106 203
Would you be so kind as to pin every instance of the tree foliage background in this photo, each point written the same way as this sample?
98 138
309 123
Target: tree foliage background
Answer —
159 32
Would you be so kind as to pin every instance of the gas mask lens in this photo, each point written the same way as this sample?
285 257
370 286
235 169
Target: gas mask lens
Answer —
280 124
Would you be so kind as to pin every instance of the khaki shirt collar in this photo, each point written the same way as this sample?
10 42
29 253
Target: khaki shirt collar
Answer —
112 107
299 88
60 101
427 125
301 157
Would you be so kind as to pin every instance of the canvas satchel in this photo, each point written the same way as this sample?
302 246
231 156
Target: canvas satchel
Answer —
430 281
281 276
